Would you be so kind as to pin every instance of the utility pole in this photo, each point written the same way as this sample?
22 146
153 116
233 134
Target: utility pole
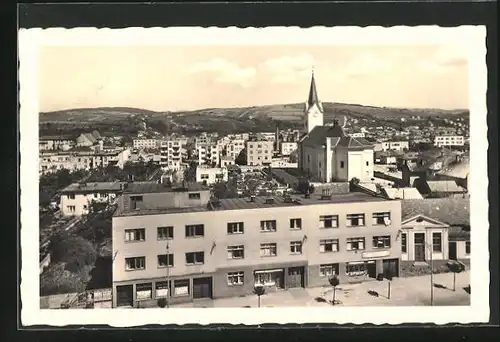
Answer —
168 274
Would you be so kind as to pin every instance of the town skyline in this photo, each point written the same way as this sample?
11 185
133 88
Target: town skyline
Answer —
195 77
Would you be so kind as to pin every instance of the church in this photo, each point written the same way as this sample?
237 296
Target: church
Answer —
326 153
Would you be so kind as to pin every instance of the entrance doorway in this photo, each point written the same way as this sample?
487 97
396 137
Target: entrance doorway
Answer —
202 288
371 269
392 266
295 277
125 295
419 246
452 250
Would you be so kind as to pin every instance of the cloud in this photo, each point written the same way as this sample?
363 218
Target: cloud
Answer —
225 71
366 64
289 69
445 58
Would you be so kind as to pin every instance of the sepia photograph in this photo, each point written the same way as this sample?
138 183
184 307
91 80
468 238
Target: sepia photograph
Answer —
271 175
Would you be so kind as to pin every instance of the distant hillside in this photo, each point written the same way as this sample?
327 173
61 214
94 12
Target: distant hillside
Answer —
118 120
283 112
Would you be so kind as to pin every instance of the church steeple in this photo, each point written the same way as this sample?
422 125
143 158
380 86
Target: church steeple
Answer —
313 93
313 108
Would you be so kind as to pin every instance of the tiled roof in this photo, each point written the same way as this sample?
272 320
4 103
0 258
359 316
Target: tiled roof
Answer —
90 137
452 211
318 135
350 142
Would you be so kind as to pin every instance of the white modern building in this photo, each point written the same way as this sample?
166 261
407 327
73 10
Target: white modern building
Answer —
391 146
210 175
287 147
449 140
208 154
172 154
259 152
142 144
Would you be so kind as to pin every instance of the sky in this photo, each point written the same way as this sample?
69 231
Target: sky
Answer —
170 78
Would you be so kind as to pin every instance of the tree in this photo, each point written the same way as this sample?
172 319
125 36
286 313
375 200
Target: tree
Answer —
259 290
241 159
455 267
334 282
75 251
304 187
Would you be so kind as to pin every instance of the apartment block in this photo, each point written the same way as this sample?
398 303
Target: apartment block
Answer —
226 247
172 153
449 140
392 146
208 154
259 152
142 144
234 147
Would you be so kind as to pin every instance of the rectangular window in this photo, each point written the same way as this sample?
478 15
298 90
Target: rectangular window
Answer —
403 243
136 198
437 245
236 252
296 223
161 288
194 195
144 291
71 208
355 220
327 270
329 245
268 250
296 247
341 164
355 244
235 278
71 196
195 258
137 263
204 176
381 218
166 260
135 235
235 228
355 269
268 226
382 241
329 221
181 287
195 230
467 247
165 233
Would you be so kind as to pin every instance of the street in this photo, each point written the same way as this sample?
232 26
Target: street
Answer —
412 291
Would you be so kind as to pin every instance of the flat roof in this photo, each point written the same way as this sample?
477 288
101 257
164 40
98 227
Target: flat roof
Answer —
259 203
155 187
92 187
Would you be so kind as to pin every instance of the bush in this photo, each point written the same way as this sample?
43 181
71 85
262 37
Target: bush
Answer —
75 251
162 302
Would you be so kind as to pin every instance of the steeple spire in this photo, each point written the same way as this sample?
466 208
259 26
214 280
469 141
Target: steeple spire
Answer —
313 94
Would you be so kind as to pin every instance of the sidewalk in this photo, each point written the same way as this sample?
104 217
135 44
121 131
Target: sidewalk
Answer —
413 291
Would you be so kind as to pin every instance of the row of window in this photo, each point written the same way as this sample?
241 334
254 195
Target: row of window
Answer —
96 195
266 250
437 242
198 230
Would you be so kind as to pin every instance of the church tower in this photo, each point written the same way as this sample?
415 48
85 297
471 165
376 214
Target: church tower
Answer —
313 108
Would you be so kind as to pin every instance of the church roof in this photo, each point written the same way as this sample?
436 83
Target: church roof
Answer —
319 134
313 93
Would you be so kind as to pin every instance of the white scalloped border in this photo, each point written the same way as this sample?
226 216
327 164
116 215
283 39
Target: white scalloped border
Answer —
471 36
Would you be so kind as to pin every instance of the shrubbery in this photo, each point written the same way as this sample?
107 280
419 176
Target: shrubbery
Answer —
75 251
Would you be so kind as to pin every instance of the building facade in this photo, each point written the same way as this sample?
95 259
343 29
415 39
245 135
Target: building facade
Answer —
259 152
172 153
402 145
142 144
226 248
287 147
449 140
208 154
77 198
211 175
234 148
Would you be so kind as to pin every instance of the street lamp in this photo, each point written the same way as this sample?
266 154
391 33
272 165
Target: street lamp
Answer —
429 246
